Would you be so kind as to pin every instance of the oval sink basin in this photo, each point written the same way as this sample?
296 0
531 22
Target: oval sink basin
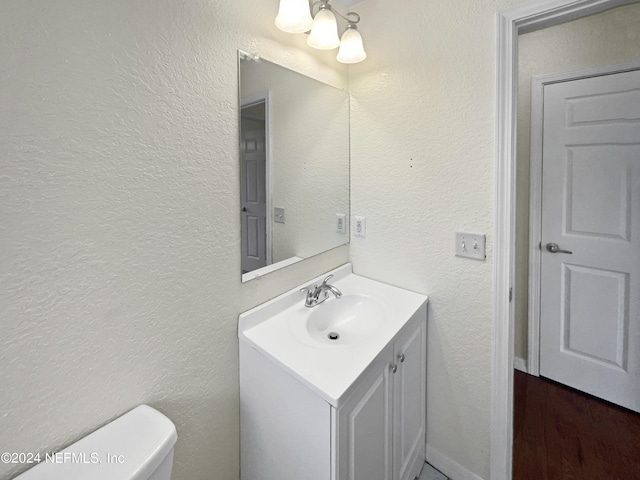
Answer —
338 322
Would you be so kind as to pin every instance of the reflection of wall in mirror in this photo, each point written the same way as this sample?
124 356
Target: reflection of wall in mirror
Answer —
309 157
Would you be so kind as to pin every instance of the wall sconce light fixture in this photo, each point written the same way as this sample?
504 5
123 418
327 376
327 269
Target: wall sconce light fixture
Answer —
295 16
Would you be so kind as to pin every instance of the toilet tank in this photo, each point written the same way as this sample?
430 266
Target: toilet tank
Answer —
136 446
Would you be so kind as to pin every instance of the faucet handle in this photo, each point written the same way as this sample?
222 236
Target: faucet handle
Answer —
324 282
311 296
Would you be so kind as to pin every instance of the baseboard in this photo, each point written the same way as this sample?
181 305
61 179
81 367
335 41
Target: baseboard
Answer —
451 469
520 364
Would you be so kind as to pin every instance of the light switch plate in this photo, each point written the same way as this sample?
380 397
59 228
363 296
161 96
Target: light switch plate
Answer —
471 245
361 226
278 215
341 223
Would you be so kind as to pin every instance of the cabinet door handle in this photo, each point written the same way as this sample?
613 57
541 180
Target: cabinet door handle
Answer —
401 357
394 368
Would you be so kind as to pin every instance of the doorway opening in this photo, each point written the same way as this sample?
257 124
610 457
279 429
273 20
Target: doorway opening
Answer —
594 220
511 22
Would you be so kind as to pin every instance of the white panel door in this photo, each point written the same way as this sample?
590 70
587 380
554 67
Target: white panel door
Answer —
590 298
254 202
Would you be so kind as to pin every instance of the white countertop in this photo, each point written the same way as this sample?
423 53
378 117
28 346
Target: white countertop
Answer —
330 370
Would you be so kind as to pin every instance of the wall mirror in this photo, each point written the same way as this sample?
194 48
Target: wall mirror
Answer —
294 166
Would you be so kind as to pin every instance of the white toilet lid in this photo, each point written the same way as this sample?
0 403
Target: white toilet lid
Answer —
129 448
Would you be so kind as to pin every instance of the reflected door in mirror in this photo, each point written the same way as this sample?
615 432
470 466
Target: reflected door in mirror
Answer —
253 193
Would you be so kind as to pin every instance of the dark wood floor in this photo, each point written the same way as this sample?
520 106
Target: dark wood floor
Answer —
562 434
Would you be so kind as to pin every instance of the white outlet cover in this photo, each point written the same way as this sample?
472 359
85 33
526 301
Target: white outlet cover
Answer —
278 215
471 245
341 223
361 227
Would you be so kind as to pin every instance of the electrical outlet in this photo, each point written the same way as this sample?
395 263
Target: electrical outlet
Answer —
361 226
471 245
341 223
278 215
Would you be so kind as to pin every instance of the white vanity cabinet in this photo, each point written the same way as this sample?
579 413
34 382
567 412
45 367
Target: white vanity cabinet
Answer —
381 426
294 425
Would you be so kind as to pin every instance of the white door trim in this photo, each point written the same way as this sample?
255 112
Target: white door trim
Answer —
259 97
535 193
510 22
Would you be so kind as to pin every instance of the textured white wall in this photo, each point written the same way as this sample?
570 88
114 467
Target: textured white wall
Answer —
607 38
309 132
422 168
120 252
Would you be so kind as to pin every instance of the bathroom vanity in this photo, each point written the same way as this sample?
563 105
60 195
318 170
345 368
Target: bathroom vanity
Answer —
336 391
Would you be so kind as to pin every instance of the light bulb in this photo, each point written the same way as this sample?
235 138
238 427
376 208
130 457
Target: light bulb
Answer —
324 34
351 48
294 16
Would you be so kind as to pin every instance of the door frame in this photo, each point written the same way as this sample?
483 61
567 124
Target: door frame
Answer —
247 101
524 18
535 194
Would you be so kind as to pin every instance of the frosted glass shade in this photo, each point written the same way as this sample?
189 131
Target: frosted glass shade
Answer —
324 34
351 48
294 16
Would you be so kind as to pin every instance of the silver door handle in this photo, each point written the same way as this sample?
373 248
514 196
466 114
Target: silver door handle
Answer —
554 248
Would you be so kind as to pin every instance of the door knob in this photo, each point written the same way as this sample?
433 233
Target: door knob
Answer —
554 248
401 357
244 209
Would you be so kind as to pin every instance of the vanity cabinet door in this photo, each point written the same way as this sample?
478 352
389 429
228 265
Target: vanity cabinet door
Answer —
364 440
409 426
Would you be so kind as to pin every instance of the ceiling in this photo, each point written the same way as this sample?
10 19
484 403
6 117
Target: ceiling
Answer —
349 3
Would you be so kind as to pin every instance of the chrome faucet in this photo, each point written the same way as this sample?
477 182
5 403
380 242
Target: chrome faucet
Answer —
319 293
